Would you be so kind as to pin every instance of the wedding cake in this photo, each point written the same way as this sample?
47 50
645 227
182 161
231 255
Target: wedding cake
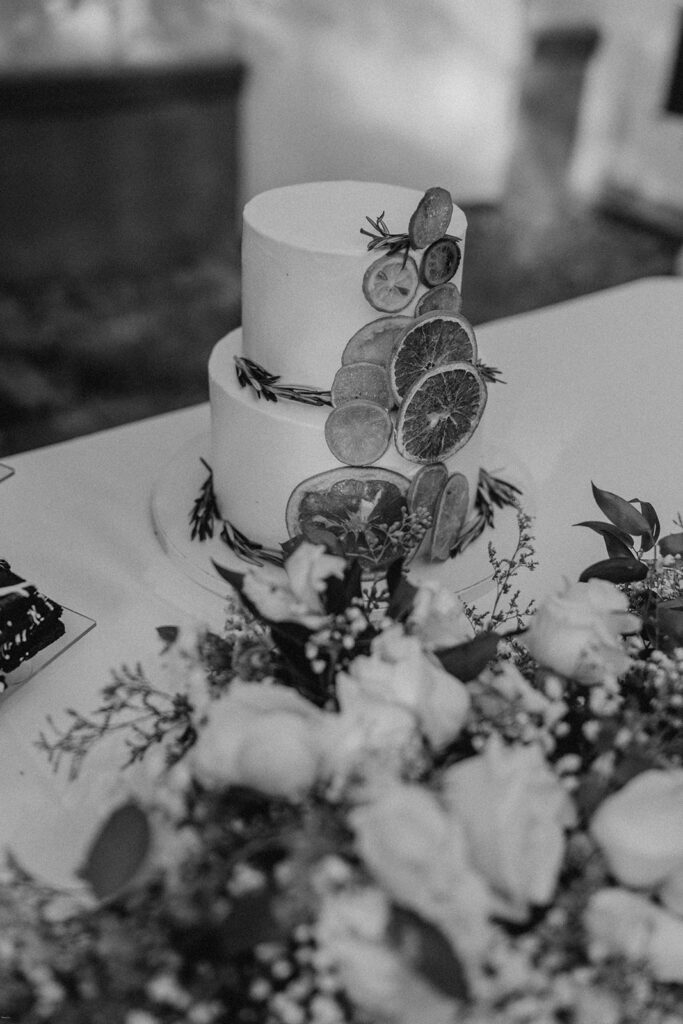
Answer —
348 404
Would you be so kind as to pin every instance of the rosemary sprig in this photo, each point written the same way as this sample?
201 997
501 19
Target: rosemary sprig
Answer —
492 492
205 509
382 238
265 384
490 373
249 550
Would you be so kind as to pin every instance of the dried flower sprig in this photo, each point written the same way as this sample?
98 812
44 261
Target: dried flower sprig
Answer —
265 385
382 238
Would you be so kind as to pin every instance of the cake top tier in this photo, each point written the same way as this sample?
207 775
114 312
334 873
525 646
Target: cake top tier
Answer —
303 263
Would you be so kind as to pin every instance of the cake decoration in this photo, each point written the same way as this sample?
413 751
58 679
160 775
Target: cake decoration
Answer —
265 385
29 621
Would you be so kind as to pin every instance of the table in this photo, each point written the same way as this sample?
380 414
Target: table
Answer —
593 393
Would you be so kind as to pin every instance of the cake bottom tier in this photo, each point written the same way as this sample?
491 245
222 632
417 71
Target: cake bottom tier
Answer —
275 477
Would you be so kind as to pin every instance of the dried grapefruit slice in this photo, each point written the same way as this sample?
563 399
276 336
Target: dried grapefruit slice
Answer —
432 340
440 412
440 261
358 432
426 487
374 342
362 380
431 218
444 297
450 516
390 283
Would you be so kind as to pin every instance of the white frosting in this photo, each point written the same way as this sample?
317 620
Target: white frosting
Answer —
303 261
261 451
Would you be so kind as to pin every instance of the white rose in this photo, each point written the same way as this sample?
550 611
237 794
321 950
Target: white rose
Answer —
398 670
514 812
578 632
368 736
261 735
418 854
640 830
438 617
628 924
293 593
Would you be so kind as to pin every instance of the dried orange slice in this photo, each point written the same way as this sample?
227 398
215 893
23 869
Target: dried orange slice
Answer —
440 412
431 218
362 380
374 342
426 487
431 340
390 283
440 261
358 432
450 516
445 297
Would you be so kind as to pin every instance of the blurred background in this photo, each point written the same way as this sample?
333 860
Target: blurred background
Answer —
132 132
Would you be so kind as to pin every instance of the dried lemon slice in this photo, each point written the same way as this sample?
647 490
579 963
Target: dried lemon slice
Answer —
432 340
358 432
450 516
426 487
390 283
440 412
440 261
374 342
362 380
444 297
431 218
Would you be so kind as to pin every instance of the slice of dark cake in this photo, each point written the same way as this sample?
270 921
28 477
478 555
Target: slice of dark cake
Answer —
29 621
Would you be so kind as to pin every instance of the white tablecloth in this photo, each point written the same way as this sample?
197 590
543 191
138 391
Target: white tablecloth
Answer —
593 392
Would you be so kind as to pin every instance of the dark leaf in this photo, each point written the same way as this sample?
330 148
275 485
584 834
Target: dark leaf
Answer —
235 579
118 851
466 661
648 511
394 575
340 593
168 634
428 952
615 570
618 543
670 619
672 544
401 601
251 921
621 512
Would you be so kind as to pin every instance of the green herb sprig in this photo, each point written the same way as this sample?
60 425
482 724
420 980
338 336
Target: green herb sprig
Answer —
265 385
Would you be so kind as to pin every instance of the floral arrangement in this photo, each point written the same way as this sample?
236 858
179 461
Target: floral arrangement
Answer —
373 804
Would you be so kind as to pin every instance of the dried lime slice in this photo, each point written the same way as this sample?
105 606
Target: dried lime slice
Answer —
432 340
440 412
358 432
374 342
431 218
450 516
362 380
440 261
390 283
426 487
445 297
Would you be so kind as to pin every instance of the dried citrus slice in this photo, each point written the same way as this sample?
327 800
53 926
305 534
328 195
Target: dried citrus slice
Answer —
358 432
431 218
440 261
374 342
445 297
359 506
390 283
362 380
426 486
450 516
431 340
440 412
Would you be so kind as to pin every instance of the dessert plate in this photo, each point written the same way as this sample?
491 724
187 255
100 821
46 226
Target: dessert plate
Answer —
76 625
180 481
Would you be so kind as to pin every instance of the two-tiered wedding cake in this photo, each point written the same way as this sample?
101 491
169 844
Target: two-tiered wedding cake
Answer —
348 403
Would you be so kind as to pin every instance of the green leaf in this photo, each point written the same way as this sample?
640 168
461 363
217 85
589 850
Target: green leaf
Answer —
615 570
621 512
650 514
670 619
466 661
617 542
168 634
235 579
672 544
428 952
118 852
